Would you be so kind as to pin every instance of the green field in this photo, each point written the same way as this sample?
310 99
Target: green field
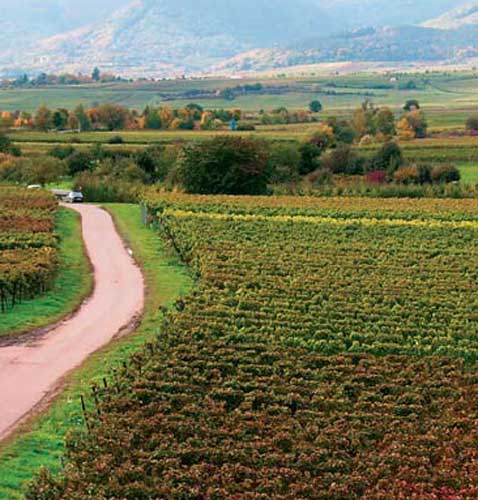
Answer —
448 97
73 283
41 443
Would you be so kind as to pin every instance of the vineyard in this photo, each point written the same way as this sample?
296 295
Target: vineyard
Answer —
28 245
328 351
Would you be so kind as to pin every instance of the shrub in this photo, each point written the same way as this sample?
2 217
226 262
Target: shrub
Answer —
148 160
376 177
79 161
40 170
284 161
342 129
245 127
342 160
315 106
424 173
389 158
116 139
445 173
472 123
62 152
7 146
413 174
228 165
323 137
418 123
320 177
108 190
309 154
407 175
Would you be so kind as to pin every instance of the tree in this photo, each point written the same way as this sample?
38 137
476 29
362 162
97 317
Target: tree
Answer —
149 161
363 120
79 161
405 130
43 119
84 122
284 160
418 123
228 165
472 123
5 144
388 158
315 106
43 170
342 129
342 160
113 116
96 75
445 174
314 146
385 122
166 114
60 119
196 110
152 119
322 137
411 104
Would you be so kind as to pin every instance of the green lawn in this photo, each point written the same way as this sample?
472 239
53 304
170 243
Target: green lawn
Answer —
73 283
42 442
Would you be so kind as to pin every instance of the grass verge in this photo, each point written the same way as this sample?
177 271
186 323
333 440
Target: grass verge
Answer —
41 442
73 283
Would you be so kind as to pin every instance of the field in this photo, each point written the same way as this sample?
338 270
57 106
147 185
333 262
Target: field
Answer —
449 97
327 351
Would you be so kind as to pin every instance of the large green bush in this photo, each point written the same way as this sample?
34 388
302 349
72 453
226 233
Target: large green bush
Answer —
228 165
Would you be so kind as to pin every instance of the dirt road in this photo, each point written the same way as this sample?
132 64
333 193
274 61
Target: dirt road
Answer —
31 369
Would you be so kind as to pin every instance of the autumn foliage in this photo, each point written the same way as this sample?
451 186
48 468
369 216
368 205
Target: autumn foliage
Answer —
28 246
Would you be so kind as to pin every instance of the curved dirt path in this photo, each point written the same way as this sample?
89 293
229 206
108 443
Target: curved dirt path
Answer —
33 368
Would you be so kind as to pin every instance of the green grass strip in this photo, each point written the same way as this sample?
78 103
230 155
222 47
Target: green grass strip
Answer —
73 283
41 443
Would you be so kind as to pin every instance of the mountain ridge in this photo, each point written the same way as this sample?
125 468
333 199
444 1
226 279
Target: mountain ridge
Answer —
169 38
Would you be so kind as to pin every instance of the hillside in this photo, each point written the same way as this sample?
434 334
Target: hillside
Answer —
401 44
163 37
464 15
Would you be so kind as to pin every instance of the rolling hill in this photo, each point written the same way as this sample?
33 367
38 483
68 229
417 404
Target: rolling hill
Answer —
164 37
159 38
397 45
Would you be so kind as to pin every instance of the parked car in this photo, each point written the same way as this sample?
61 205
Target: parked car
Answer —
74 197
34 186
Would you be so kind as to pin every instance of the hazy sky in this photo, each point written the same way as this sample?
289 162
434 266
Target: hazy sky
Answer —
49 16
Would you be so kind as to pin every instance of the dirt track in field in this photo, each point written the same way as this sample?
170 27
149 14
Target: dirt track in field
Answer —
32 369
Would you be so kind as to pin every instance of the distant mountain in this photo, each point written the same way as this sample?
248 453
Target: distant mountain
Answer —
464 15
160 37
174 37
399 45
